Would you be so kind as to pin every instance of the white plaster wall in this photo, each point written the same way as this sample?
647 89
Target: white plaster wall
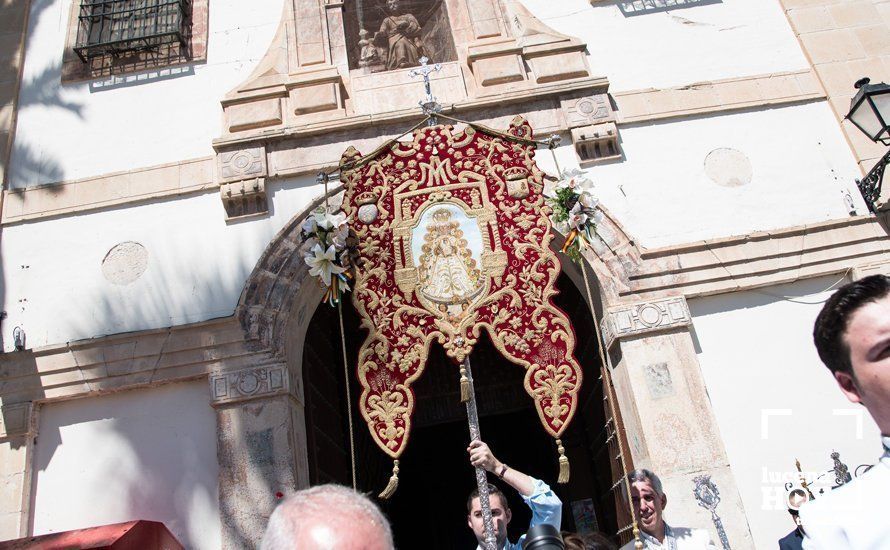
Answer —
197 265
774 400
144 454
663 49
78 130
802 168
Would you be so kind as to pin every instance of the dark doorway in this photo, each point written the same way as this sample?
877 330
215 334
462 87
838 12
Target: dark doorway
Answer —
429 508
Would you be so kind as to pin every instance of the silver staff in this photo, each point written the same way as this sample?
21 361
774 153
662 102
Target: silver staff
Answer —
490 542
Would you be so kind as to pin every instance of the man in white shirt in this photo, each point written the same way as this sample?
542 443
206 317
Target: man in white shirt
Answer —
852 336
545 505
649 502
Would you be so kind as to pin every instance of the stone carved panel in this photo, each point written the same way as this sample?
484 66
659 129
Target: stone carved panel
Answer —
15 420
244 198
251 383
645 317
242 164
597 143
583 111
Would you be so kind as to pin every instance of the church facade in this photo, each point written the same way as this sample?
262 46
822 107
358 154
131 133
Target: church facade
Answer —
168 356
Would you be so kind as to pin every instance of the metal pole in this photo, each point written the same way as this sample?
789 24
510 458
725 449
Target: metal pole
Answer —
490 542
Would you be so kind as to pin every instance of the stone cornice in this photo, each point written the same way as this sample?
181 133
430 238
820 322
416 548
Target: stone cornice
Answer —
717 96
124 361
758 259
475 109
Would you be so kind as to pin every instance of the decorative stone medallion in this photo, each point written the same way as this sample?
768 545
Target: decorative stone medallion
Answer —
728 167
125 263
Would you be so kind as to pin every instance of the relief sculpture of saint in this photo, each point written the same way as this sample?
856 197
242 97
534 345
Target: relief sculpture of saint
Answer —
400 34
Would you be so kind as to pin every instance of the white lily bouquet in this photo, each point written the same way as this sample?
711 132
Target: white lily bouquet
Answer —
574 211
330 249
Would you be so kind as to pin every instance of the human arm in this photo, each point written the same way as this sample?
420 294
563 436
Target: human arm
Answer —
481 456
543 502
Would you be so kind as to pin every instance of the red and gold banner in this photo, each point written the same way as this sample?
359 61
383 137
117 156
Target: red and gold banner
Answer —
454 238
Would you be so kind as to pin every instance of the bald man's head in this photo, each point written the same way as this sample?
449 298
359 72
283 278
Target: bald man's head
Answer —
327 517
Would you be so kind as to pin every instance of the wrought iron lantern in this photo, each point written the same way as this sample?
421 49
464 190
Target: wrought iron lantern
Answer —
870 112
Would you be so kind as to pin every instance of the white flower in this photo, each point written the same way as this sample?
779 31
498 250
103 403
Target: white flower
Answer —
309 226
308 245
323 220
583 212
578 217
339 236
339 220
587 200
577 179
321 263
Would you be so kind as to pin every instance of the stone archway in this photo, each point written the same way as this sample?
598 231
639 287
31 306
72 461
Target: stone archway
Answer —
278 301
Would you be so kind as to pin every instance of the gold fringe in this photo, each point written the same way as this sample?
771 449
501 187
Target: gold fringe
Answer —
464 385
564 467
393 482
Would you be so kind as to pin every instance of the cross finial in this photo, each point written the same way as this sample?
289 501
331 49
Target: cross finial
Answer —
429 105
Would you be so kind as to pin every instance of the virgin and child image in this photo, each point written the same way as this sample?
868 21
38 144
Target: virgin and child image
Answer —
447 272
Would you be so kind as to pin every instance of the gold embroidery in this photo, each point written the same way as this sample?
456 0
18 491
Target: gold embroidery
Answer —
385 408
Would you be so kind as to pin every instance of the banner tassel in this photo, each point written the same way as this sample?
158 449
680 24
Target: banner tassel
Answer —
564 467
393 482
464 385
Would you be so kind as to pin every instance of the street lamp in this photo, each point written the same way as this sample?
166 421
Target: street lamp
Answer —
870 112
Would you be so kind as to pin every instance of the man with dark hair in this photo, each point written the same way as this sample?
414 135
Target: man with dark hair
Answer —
545 505
649 502
852 336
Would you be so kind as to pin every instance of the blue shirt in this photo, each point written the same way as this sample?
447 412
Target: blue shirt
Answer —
546 508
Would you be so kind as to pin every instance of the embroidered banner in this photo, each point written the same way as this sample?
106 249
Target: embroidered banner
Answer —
454 238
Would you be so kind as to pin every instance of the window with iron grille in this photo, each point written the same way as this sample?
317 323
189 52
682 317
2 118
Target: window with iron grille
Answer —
640 7
114 27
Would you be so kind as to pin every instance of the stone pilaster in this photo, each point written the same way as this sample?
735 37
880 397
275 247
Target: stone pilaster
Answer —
671 427
17 431
261 447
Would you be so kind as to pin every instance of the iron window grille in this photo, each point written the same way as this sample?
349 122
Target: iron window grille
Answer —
112 27
640 7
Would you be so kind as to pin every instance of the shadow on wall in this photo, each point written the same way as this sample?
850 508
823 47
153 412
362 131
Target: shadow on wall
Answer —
29 166
159 279
140 454
139 476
